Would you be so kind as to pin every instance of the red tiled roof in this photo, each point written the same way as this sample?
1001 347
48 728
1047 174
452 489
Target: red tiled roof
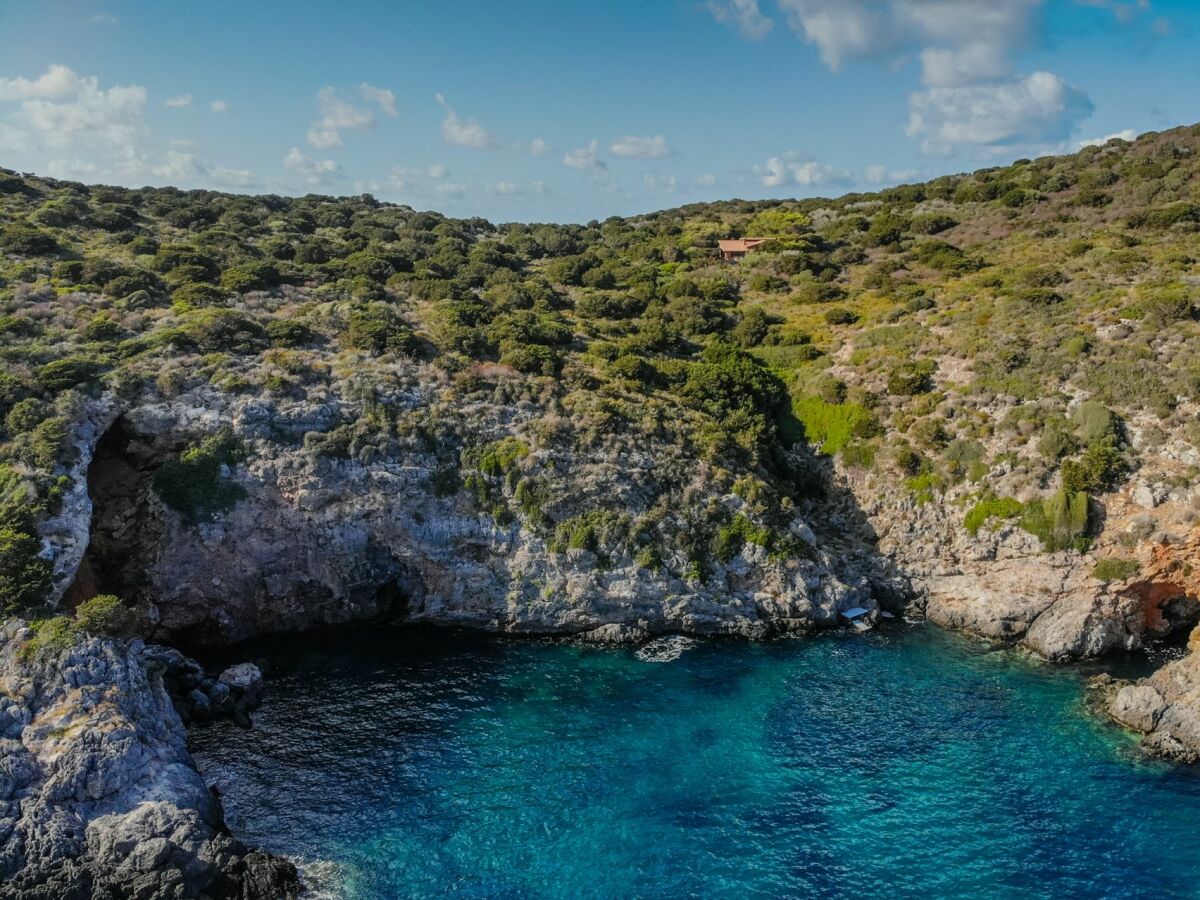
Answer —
740 244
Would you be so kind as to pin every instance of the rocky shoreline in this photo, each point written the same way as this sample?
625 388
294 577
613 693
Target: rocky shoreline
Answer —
99 797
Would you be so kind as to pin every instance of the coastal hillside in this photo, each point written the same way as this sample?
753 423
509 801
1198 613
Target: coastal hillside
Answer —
1022 338
973 400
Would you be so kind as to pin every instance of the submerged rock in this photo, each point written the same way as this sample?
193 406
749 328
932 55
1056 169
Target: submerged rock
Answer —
99 796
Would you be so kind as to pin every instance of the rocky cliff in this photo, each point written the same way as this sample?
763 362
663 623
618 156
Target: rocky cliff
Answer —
1166 706
317 539
98 794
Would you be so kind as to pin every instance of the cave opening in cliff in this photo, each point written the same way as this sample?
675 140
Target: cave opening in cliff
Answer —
1171 615
118 484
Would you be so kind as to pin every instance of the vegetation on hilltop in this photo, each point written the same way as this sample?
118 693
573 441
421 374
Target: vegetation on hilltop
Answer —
1017 318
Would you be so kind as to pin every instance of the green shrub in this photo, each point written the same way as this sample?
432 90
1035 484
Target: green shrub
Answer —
532 359
839 315
193 486
377 329
752 329
68 372
912 378
258 276
1094 422
988 508
496 459
24 574
1115 569
1060 522
219 331
26 240
50 638
593 530
289 333
1099 469
733 536
195 295
832 426
105 615
924 486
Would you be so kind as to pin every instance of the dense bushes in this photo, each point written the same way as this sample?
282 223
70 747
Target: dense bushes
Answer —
378 329
193 485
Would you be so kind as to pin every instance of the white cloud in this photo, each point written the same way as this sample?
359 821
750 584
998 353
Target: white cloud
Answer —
584 157
451 188
72 169
979 31
178 102
973 62
665 183
218 106
104 18
1126 134
1123 10
178 167
111 117
793 168
633 147
102 131
464 132
1036 109
505 187
884 175
315 171
971 96
338 115
744 15
12 140
405 176
382 97
56 83
537 147
706 180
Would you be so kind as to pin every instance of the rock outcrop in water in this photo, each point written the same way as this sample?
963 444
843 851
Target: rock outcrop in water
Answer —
99 797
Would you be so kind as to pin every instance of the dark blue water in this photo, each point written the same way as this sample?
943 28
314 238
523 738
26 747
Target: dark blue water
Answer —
895 764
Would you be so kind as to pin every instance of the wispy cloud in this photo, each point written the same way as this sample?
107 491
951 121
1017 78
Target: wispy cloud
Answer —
793 168
584 157
178 102
337 114
218 106
1127 134
743 15
314 171
633 147
465 132
104 18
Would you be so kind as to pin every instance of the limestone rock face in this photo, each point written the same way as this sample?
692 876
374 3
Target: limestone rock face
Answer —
998 583
324 539
98 795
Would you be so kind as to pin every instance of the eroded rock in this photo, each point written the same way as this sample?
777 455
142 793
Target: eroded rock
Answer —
98 794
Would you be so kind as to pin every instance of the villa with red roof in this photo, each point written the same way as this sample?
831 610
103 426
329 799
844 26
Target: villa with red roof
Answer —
739 247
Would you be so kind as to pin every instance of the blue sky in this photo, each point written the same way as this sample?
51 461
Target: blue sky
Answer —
567 111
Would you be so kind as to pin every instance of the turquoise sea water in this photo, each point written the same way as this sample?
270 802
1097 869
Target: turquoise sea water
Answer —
905 762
